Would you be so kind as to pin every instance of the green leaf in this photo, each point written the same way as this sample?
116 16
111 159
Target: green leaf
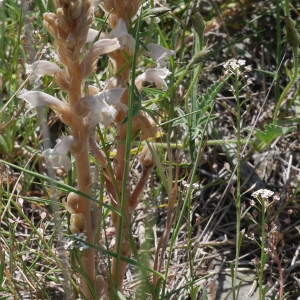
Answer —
121 296
271 133
155 12
211 93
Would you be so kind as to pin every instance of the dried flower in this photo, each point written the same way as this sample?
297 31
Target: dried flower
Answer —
58 157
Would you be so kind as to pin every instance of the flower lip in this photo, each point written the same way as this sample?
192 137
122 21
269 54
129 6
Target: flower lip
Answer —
41 68
159 53
121 33
157 75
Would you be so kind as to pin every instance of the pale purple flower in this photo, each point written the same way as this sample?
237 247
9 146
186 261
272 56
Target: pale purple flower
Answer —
100 106
41 68
159 53
58 156
157 75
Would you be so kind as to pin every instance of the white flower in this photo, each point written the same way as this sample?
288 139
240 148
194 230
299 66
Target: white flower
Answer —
76 240
234 64
159 53
241 62
262 193
100 47
100 103
121 33
41 68
36 99
156 75
92 34
58 157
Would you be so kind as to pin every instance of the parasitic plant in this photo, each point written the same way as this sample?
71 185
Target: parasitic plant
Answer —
84 107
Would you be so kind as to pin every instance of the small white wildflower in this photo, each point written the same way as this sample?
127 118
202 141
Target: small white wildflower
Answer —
262 193
76 241
248 68
234 64
195 185
241 62
250 81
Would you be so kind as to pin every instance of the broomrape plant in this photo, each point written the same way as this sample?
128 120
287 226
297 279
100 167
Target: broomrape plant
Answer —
84 108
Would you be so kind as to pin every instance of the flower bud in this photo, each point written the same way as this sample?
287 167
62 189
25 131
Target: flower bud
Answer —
101 287
289 64
292 35
64 21
132 6
75 9
198 58
140 122
199 24
77 223
146 158
72 203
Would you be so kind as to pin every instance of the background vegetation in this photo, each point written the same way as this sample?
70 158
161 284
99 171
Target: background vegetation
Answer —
219 135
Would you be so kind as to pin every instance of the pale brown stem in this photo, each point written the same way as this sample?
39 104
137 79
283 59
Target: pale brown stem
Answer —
135 197
80 151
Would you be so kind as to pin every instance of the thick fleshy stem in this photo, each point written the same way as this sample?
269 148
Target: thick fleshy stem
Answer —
69 27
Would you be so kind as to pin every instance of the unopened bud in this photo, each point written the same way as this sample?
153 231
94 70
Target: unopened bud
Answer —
146 158
72 201
155 12
199 24
101 286
289 64
292 35
199 57
77 223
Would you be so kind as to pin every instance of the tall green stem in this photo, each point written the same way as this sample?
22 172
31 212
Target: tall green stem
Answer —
262 251
292 81
238 185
